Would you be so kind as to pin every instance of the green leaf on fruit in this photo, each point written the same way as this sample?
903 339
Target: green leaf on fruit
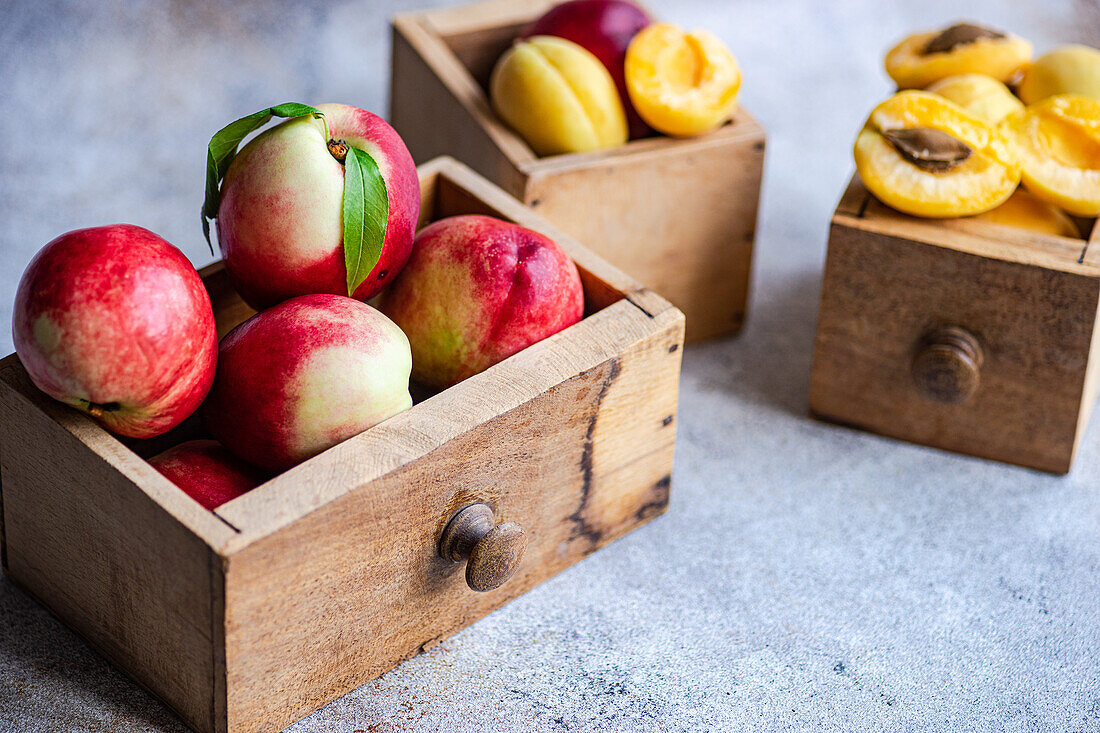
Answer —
223 148
366 212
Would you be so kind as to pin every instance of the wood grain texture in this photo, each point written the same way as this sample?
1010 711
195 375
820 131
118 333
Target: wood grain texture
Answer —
111 547
677 215
1030 303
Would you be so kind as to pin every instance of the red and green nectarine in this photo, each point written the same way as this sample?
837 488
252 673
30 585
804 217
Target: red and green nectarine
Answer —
115 321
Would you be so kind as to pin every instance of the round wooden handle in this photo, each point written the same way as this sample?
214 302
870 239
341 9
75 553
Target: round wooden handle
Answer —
492 551
947 367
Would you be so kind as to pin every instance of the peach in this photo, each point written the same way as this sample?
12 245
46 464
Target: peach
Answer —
116 322
207 472
926 156
980 95
557 96
280 218
963 48
305 375
1066 70
477 290
682 84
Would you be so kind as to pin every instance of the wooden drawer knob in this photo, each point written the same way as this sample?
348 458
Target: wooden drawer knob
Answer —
947 368
492 551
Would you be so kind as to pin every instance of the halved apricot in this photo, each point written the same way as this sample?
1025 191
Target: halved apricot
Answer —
1058 144
980 95
926 156
963 48
682 84
1025 210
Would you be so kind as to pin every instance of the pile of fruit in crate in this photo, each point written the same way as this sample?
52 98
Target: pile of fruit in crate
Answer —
975 118
591 74
314 216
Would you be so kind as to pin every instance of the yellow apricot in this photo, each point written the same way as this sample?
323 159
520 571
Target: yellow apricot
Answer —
1025 210
1057 142
682 84
1065 70
963 48
924 155
557 96
980 95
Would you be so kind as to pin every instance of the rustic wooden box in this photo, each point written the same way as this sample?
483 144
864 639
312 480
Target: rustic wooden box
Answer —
248 618
959 334
677 215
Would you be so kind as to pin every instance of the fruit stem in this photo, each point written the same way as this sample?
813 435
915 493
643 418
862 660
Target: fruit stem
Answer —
338 148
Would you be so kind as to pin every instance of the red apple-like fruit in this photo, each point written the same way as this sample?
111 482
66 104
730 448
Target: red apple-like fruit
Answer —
477 290
305 375
604 29
207 472
280 219
115 321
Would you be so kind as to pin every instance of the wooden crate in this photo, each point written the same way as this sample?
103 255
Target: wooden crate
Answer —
248 618
959 334
677 215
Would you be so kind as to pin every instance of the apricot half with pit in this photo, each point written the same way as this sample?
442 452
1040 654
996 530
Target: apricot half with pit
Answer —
963 48
557 96
1057 142
682 84
1065 70
980 95
924 155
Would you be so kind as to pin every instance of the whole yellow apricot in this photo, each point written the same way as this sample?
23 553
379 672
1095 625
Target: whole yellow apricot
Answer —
1065 70
557 96
1057 142
963 48
1025 210
924 155
980 95
682 84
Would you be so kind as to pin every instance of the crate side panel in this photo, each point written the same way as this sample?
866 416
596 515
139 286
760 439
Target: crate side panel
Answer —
680 219
357 586
881 294
432 107
107 560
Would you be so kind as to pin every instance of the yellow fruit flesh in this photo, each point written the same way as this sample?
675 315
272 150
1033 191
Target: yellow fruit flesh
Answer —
682 84
1058 144
1025 210
558 97
911 68
982 96
980 183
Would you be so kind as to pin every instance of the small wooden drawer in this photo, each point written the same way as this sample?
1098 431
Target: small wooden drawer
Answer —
959 334
679 215
248 618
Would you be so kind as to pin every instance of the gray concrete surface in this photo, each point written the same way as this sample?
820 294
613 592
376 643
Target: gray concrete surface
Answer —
806 577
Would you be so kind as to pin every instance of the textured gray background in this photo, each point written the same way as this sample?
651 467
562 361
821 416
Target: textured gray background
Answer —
806 576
